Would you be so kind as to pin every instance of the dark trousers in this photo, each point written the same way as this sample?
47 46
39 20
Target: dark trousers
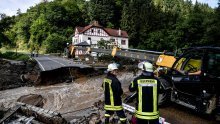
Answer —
120 114
143 121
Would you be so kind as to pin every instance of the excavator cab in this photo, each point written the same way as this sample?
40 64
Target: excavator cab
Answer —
198 91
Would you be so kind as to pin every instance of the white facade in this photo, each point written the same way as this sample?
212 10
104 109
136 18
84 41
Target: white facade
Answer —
93 34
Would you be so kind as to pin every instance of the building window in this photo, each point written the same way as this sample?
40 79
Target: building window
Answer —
75 41
112 40
92 30
98 31
89 38
123 42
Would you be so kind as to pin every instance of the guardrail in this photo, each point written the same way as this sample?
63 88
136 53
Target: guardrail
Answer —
130 53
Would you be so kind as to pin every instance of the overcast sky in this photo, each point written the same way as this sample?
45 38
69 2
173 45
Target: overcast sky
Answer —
10 7
212 3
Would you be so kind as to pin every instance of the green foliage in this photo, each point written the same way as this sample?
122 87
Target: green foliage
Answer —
39 30
54 43
151 24
14 56
103 11
103 44
5 24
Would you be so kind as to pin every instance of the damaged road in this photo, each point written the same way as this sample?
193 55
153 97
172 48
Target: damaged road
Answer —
47 63
64 98
78 89
56 70
75 94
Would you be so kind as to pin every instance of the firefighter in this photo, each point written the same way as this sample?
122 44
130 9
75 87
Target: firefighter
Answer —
147 87
112 92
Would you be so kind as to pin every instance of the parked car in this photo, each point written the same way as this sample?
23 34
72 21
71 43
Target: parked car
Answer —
194 80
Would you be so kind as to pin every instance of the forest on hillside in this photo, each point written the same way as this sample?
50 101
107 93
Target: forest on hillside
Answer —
151 24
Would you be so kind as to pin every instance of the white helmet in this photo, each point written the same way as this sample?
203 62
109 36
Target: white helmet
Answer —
112 67
145 66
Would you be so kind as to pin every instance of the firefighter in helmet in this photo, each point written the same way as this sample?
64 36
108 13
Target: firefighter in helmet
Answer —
112 92
147 87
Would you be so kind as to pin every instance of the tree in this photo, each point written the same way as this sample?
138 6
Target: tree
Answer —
130 22
18 12
103 43
5 24
103 11
54 43
73 8
137 18
2 16
39 31
151 24
212 34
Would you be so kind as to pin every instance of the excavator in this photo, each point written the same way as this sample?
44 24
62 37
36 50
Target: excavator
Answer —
192 79
71 51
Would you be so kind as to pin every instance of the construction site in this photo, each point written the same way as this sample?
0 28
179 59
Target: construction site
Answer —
73 94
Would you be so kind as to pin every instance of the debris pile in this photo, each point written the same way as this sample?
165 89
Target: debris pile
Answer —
72 97
23 113
32 99
17 73
91 115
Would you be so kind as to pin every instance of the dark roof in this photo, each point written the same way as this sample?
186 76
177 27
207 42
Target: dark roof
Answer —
115 32
79 29
84 43
109 31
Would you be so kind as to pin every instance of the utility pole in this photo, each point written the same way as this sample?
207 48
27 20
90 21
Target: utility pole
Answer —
44 1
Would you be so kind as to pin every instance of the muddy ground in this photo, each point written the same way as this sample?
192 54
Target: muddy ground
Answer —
66 97
15 74
74 98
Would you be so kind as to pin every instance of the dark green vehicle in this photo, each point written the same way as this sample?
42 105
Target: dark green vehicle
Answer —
194 80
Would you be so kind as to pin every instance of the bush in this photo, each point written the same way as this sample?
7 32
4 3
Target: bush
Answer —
14 56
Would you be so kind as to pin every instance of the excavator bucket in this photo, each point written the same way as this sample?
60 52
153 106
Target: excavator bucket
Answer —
165 61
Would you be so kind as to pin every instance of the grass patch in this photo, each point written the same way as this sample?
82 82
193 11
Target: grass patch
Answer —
13 56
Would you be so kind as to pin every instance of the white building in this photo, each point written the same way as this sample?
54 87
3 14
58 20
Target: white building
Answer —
90 35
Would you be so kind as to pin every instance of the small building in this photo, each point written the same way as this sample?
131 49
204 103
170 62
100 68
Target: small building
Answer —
90 36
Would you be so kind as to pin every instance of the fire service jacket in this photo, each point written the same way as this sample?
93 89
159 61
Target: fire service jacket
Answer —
112 91
147 88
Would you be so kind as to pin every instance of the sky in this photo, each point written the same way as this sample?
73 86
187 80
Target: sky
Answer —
212 3
10 7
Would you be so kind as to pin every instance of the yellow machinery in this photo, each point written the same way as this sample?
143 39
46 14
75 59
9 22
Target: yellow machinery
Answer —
163 63
114 50
192 65
165 60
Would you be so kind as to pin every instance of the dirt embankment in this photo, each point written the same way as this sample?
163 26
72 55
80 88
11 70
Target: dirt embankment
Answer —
78 88
15 74
65 98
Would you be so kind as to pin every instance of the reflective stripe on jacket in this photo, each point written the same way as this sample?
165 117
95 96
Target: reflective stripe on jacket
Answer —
112 91
147 96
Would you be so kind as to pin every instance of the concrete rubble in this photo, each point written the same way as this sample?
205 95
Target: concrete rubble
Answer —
75 100
27 114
